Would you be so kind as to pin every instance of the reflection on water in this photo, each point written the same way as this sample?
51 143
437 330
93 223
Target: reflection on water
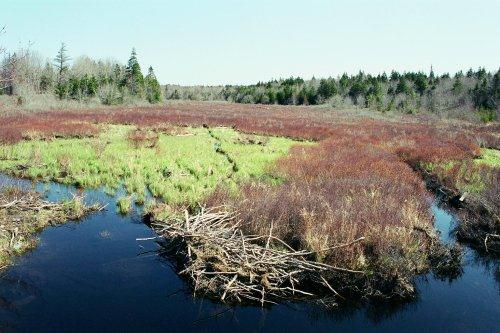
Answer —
94 275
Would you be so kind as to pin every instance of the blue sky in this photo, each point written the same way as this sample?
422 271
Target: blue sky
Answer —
231 42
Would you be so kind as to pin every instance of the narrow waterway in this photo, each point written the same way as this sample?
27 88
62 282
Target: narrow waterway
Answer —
94 275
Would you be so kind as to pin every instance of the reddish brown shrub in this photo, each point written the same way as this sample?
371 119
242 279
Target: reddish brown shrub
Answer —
14 128
337 192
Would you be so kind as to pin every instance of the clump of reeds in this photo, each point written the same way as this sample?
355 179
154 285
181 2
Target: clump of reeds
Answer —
124 205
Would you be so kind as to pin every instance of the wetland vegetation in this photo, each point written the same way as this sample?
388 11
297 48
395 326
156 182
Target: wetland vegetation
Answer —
313 178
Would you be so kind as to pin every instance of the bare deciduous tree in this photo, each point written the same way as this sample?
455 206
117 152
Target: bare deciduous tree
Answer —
7 68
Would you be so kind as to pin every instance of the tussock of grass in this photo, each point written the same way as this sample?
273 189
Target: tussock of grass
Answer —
124 205
477 184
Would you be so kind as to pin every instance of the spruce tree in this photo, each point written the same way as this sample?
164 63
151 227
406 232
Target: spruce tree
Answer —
344 84
457 86
134 78
92 86
153 89
117 77
431 75
61 64
404 87
327 88
421 83
496 85
357 89
271 95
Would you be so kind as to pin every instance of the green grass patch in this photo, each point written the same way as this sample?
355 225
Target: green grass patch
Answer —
490 157
179 168
431 166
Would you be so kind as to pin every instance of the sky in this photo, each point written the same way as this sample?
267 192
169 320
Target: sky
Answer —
216 42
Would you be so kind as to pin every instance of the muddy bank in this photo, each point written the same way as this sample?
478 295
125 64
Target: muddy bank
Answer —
25 213
479 223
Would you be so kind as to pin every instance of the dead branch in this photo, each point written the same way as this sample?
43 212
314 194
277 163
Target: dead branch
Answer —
32 201
222 262
488 236
22 213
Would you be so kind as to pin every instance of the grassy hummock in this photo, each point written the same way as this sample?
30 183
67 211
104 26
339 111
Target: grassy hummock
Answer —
124 205
467 176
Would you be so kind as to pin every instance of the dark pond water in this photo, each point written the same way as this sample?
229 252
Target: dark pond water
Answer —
95 276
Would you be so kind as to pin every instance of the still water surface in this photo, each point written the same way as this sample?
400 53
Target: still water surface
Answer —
95 276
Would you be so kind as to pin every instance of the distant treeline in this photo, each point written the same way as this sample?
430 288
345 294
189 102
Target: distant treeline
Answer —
24 74
473 94
409 92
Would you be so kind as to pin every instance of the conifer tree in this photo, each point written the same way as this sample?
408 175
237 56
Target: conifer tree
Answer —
327 88
153 89
357 89
457 86
61 64
431 74
496 85
47 78
421 83
344 83
404 87
134 78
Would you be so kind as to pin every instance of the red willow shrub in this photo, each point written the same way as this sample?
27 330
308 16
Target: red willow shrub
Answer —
337 192
297 122
14 128
286 121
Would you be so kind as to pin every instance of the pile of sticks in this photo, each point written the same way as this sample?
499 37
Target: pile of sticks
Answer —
224 263
15 200
24 213
25 201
